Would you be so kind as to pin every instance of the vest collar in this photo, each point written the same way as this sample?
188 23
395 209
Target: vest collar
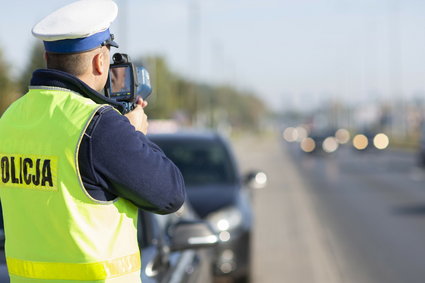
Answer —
56 78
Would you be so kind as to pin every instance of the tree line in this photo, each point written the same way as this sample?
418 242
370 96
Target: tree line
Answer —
175 97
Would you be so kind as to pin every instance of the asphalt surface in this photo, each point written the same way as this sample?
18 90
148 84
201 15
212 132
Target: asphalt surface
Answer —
355 217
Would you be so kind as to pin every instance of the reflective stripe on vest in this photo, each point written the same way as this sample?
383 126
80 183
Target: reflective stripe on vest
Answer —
74 271
54 229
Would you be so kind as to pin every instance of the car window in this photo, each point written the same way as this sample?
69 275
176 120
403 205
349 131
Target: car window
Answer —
201 162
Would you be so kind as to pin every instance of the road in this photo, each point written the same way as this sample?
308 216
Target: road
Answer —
349 217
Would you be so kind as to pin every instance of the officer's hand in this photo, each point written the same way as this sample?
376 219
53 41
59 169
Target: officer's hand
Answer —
138 117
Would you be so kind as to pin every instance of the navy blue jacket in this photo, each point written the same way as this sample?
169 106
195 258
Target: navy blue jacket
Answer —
115 160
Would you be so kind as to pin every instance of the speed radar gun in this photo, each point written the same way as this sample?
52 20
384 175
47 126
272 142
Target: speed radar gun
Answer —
126 82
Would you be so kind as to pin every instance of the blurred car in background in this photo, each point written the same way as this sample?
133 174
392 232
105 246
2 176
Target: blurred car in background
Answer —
217 193
321 141
171 247
328 140
370 140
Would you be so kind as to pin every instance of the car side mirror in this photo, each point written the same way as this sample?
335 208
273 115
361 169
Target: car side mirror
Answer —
195 234
255 179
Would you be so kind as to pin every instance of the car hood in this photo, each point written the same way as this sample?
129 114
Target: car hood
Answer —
207 199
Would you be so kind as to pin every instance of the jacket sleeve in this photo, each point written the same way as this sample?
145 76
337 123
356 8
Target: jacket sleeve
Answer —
127 164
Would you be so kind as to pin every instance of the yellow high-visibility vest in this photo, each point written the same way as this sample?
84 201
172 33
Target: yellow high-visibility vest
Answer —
55 231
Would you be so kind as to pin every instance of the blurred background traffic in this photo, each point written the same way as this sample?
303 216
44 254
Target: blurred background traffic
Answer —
318 103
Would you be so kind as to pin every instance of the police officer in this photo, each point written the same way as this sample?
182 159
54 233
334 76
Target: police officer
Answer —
74 172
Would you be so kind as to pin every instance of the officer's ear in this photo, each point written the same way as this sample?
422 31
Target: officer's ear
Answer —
99 63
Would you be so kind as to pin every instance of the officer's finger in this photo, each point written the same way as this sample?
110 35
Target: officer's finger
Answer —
141 102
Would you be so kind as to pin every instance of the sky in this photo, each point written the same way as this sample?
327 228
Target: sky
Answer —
291 53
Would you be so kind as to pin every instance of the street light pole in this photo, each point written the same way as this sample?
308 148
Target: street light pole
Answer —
396 64
194 48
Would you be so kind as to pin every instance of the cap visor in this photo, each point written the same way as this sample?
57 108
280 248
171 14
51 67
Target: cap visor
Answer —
113 43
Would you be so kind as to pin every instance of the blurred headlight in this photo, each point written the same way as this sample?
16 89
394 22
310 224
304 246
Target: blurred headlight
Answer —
290 134
381 141
225 219
330 145
342 136
308 145
261 179
301 133
360 142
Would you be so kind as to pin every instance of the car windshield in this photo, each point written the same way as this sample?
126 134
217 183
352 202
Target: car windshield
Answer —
201 162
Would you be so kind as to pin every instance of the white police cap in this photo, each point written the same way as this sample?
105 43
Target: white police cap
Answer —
78 27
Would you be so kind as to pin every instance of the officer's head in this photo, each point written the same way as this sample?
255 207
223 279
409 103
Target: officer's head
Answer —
77 39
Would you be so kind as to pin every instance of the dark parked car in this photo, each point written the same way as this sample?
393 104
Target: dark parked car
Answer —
170 246
217 193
